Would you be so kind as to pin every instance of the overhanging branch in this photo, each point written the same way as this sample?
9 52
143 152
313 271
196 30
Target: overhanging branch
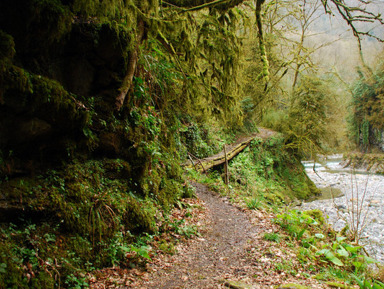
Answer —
194 5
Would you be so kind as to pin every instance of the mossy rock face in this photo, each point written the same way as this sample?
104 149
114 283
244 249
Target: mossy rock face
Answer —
274 162
90 197
7 46
40 121
237 285
93 212
35 24
274 198
373 163
327 193
51 111
140 216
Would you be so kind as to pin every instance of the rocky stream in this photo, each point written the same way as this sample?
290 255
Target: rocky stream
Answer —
351 197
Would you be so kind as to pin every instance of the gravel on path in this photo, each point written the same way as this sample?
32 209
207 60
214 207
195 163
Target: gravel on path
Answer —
231 250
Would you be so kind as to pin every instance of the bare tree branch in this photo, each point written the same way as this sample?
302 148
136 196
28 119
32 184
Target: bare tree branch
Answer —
193 5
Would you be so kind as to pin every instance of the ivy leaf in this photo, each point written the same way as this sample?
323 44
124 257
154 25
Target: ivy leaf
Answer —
3 267
340 239
358 281
342 252
322 252
332 258
142 251
125 249
300 234
357 264
351 248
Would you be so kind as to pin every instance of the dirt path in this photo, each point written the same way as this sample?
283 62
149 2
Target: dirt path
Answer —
230 253
219 253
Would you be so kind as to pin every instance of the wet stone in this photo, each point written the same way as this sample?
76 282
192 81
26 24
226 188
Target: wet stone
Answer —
362 193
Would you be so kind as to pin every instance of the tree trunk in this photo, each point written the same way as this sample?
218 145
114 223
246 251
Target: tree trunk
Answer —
230 151
226 166
131 67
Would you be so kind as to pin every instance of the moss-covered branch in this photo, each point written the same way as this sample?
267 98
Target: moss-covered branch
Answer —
263 52
131 67
192 5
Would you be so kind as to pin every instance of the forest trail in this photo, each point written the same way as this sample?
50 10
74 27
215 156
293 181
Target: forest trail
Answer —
230 253
230 151
219 254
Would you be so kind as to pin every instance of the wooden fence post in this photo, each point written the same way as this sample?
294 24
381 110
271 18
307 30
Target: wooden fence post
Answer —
226 166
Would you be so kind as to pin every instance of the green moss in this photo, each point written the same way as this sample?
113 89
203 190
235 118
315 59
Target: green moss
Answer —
53 18
7 46
42 96
275 198
36 25
85 200
36 256
43 280
338 285
94 212
268 173
12 277
15 79
140 216
316 215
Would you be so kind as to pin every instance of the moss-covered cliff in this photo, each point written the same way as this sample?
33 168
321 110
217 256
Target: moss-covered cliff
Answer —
79 179
85 173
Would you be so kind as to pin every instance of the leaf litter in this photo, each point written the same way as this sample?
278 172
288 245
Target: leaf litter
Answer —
228 252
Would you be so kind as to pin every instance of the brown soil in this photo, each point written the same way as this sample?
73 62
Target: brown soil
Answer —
220 252
231 252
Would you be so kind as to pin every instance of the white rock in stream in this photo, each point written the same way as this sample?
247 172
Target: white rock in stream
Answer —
363 193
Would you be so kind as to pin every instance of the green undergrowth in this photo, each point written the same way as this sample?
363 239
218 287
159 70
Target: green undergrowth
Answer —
43 255
87 215
200 141
265 174
331 256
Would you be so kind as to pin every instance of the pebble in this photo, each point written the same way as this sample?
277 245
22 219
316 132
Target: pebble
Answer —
362 204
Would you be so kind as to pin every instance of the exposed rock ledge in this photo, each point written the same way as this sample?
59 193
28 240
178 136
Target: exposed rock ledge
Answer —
373 163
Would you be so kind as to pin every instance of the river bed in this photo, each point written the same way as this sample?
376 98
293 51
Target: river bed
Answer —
361 203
